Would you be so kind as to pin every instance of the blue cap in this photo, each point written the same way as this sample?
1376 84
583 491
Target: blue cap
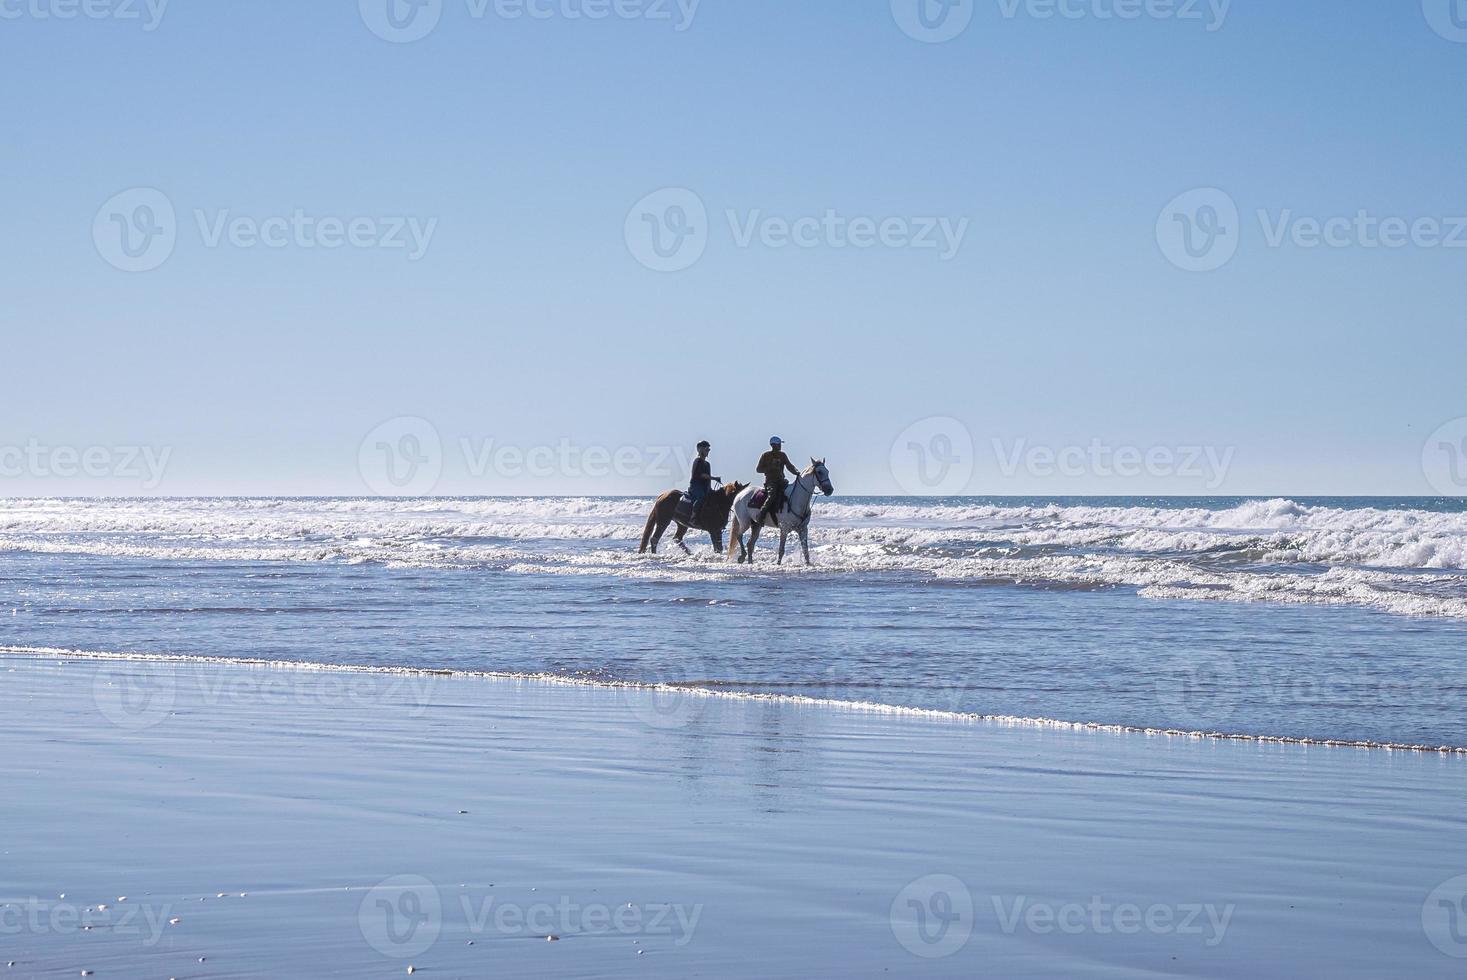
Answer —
776 441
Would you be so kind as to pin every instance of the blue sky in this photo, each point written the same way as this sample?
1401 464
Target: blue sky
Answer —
523 143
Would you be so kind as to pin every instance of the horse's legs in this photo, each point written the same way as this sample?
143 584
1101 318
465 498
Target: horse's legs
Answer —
753 540
717 538
657 535
783 535
805 541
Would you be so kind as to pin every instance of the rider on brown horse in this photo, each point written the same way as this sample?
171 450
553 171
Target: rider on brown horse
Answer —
702 480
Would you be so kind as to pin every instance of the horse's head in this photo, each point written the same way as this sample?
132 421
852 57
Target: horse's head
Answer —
822 476
721 501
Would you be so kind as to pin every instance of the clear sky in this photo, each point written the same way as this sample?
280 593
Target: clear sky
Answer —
524 302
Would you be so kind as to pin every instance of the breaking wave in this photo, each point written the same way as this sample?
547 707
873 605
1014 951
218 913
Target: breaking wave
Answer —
1398 558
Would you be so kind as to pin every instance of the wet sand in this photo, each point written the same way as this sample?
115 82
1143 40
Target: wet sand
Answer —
360 824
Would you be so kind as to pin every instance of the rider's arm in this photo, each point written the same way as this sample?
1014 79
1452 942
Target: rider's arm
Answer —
791 466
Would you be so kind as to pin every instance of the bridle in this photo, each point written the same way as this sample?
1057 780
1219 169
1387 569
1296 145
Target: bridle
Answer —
813 475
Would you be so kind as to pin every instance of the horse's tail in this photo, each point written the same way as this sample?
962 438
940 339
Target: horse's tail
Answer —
647 531
735 529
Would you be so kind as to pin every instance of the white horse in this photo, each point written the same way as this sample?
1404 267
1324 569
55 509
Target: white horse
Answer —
799 502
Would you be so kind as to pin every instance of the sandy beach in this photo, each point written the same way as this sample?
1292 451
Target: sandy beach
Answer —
223 820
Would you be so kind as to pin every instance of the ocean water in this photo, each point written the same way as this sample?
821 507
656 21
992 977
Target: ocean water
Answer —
1318 619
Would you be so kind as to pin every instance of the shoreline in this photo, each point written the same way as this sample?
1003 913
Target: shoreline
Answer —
320 820
693 690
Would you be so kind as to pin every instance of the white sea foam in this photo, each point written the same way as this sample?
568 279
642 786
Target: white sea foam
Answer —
1399 560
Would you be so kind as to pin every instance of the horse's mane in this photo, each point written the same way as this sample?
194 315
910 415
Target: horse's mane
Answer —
722 501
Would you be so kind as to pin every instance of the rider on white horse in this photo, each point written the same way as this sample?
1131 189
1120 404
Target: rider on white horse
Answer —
793 517
772 465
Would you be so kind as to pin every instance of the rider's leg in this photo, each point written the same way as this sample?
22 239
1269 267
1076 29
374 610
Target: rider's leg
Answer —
769 494
773 501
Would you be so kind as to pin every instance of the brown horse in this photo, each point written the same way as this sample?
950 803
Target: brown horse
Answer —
713 518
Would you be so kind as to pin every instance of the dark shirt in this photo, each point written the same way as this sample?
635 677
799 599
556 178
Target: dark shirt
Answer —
773 464
702 476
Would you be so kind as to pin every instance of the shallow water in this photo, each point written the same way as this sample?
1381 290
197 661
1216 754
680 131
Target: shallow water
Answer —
1323 619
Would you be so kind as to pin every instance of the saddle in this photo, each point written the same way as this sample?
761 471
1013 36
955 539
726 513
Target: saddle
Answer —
756 502
683 513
